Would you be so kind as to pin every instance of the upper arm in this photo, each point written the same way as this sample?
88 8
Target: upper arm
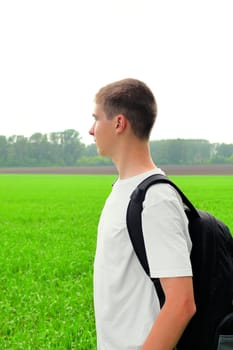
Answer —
178 292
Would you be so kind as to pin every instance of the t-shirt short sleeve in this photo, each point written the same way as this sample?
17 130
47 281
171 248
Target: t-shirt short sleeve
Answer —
165 228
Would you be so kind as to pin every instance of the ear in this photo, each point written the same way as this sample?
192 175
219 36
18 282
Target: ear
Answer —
120 123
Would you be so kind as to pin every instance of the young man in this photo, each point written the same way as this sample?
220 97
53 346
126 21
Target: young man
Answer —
128 316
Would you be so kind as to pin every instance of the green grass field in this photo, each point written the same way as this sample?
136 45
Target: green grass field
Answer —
47 239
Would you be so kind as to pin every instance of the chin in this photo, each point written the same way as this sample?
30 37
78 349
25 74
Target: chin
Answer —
103 153
99 151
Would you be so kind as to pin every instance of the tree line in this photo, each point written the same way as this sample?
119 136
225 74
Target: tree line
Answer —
67 149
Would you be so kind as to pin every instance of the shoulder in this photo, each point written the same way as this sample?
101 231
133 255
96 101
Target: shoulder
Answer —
162 193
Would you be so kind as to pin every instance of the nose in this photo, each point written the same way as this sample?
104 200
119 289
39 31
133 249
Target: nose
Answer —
91 131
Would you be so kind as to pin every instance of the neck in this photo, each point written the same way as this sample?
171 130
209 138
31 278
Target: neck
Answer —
133 159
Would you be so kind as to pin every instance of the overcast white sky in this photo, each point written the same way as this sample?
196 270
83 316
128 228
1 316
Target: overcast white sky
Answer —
55 55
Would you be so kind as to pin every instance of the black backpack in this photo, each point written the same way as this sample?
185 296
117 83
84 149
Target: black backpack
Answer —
212 264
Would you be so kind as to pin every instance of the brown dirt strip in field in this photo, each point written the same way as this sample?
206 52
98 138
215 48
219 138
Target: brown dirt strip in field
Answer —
210 169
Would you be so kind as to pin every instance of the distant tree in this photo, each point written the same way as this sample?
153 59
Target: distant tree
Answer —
3 150
21 150
36 138
90 151
180 151
38 150
55 138
224 150
56 148
72 146
66 148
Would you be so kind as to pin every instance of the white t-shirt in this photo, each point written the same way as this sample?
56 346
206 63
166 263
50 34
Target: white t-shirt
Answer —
126 304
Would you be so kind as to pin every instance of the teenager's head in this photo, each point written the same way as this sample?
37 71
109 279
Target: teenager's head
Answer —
133 99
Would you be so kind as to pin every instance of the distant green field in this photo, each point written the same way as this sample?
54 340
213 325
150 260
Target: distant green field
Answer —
47 239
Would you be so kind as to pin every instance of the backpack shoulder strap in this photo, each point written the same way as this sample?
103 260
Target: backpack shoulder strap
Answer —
140 192
134 221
